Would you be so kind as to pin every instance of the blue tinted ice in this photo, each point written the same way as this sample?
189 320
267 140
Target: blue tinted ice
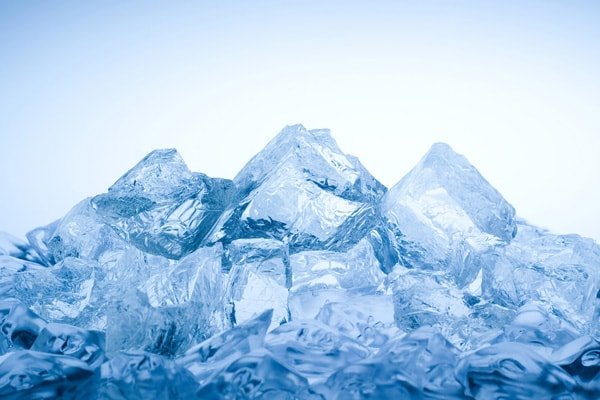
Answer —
560 271
138 375
26 374
178 306
300 187
301 278
446 214
161 207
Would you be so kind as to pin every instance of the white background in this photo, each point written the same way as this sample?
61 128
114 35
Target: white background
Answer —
86 91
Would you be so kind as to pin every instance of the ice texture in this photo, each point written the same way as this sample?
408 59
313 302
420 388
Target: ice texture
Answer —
161 207
446 214
303 189
301 278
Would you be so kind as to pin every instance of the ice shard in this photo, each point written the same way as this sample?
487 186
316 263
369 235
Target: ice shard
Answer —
175 308
15 247
162 207
445 214
558 270
303 189
259 280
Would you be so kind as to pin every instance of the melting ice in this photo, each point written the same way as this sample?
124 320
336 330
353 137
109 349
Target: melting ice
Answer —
301 278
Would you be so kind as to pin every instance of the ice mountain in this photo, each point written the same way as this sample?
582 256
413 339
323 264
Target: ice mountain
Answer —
302 277
302 189
445 215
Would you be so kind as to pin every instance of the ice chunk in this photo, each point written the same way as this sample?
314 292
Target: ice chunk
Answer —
221 350
420 365
558 270
512 370
446 214
259 280
10 268
256 375
34 375
367 318
300 187
68 340
140 376
67 292
314 349
424 298
163 208
82 234
175 308
39 238
324 276
535 324
19 326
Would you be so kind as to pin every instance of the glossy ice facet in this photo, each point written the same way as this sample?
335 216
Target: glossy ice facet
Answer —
258 280
68 340
138 375
221 350
558 270
178 306
26 374
163 208
19 326
446 214
300 187
314 349
512 370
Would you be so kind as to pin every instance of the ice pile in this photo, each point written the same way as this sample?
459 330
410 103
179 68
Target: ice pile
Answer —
301 278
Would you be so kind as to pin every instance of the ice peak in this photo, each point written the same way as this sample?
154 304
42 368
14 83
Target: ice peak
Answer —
442 155
159 169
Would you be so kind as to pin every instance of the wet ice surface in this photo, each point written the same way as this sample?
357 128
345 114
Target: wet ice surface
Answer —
301 278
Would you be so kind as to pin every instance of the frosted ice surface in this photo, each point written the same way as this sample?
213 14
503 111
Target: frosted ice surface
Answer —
419 365
446 214
301 278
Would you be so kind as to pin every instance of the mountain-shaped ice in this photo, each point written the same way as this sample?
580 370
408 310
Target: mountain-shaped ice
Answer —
301 278
302 189
446 215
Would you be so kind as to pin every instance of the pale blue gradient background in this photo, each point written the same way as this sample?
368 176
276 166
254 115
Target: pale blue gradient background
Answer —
86 90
